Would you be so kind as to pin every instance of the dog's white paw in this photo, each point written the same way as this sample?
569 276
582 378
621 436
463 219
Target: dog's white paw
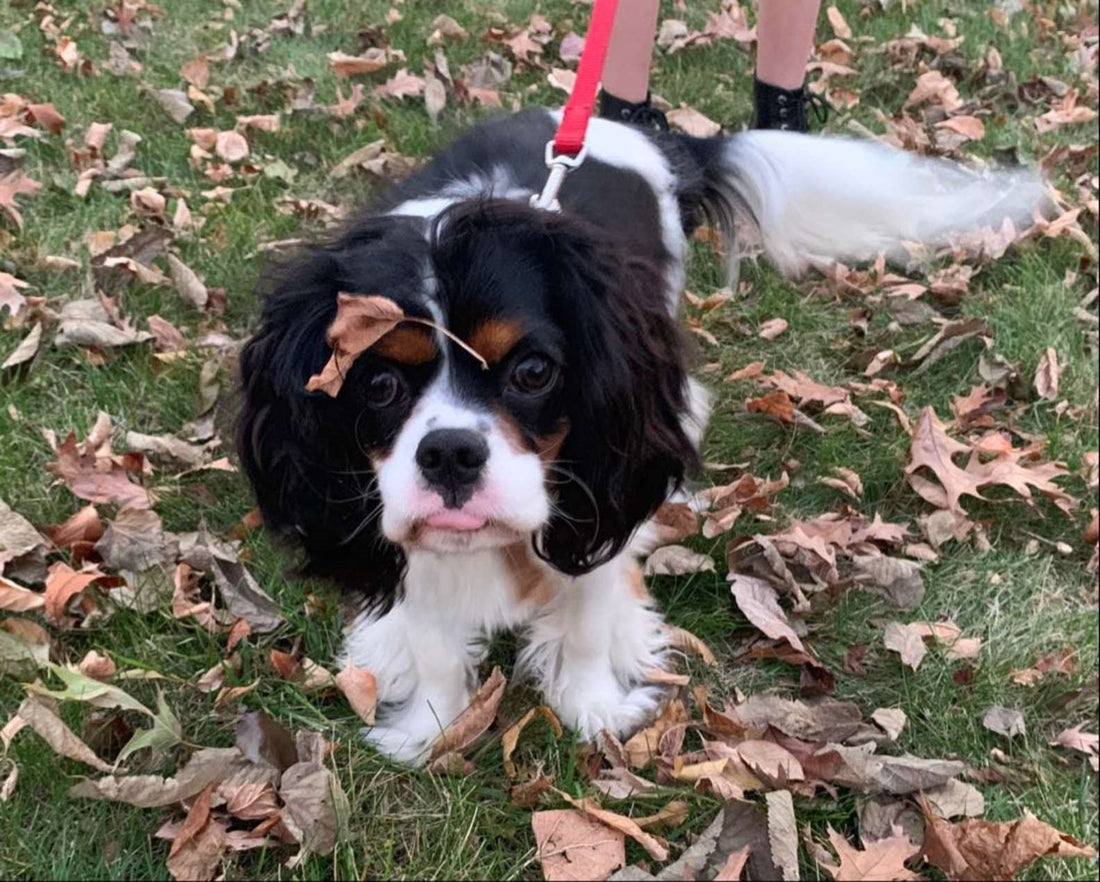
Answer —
400 745
604 704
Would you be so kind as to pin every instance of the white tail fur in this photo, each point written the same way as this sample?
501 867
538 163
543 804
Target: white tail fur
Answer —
818 199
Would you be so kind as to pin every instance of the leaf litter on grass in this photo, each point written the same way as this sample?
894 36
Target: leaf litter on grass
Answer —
785 564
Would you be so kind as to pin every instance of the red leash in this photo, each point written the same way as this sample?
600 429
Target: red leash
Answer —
566 151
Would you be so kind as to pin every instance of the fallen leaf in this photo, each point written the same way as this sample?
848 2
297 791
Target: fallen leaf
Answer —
895 578
969 128
643 746
15 598
401 85
1048 374
231 146
316 809
932 448
187 283
676 560
733 867
773 328
571 847
955 799
906 641
1062 661
475 720
684 640
838 24
883 859
691 122
9 284
1004 721
21 357
361 690
974 850
63 584
135 540
782 834
207 765
243 596
263 741
61 739
776 404
1087 743
759 603
175 103
891 720
197 850
510 739
656 848
97 666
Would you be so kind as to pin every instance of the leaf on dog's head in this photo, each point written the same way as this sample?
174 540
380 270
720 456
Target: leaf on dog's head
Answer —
361 321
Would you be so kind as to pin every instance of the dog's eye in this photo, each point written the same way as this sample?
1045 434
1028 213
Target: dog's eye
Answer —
383 389
533 374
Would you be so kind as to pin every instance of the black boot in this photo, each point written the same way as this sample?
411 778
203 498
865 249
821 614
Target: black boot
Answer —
644 115
785 109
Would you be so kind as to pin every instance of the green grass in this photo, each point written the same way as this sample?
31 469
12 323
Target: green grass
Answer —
408 825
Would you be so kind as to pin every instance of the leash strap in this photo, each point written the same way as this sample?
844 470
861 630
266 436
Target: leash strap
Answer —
566 151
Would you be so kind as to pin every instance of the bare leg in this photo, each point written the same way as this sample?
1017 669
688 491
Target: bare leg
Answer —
630 51
785 38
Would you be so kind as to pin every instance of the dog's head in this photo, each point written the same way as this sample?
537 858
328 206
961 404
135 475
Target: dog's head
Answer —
570 439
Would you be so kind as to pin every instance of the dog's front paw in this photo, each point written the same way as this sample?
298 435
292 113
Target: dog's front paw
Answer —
607 705
400 745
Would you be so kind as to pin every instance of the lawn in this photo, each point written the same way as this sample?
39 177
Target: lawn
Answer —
1021 584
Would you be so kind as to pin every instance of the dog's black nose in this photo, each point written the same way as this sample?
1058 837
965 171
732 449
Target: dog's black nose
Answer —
451 461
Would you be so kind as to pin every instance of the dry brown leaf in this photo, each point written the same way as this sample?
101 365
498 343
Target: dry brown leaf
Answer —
231 146
1004 721
782 834
61 739
932 448
882 860
1062 661
691 122
187 283
15 598
571 847
63 583
759 603
315 807
676 560
473 721
685 641
898 580
974 850
906 641
656 848
401 85
230 694
1048 375
97 666
969 128
733 867
773 328
101 478
776 404
838 24
197 850
207 765
175 103
643 746
1087 743
955 799
510 739
361 690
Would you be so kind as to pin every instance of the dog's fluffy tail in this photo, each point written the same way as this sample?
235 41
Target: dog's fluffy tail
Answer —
817 199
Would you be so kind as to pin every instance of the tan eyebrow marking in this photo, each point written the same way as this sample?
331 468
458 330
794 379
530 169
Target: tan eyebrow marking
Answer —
494 339
407 345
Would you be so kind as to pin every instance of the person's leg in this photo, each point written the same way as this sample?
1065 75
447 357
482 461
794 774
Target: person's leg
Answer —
784 41
625 82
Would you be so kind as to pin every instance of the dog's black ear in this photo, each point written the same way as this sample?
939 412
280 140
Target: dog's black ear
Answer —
626 447
312 480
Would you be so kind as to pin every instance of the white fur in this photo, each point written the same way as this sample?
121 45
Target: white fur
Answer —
817 199
589 647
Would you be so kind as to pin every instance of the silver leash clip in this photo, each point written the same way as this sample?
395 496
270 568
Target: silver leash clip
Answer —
560 165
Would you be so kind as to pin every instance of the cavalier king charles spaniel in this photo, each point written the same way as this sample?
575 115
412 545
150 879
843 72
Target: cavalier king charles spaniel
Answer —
460 497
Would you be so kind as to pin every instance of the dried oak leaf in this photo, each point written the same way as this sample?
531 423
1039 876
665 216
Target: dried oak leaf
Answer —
676 560
207 765
1004 721
1062 661
932 448
360 323
882 860
101 478
473 721
12 185
401 85
61 739
656 848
